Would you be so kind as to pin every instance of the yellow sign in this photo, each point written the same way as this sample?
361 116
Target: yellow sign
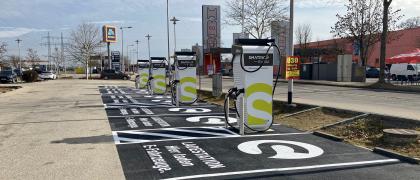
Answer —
109 33
292 67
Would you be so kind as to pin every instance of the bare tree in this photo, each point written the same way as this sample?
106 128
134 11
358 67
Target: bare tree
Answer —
3 51
258 15
83 43
410 23
32 57
303 35
362 24
13 61
57 60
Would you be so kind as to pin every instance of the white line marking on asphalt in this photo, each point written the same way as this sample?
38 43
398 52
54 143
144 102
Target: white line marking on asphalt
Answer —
200 138
383 161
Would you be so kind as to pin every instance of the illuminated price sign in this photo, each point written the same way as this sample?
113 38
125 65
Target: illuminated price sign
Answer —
292 67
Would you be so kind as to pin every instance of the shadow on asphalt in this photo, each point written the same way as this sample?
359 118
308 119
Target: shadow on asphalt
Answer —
86 140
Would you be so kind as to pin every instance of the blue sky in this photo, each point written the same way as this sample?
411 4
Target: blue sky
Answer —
30 20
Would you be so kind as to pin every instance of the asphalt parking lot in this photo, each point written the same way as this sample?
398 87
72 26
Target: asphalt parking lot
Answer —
156 140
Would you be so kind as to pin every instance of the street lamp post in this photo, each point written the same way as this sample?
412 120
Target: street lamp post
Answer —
20 62
290 81
148 43
122 45
174 20
167 34
137 51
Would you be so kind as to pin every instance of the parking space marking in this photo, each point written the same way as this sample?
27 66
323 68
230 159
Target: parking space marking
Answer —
154 115
163 134
121 140
348 164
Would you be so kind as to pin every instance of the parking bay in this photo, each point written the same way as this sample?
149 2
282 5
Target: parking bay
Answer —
189 148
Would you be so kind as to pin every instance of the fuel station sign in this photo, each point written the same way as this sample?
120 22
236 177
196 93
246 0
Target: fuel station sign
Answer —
109 33
292 67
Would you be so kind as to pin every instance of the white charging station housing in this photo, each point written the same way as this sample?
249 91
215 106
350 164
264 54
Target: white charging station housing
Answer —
158 74
254 105
186 77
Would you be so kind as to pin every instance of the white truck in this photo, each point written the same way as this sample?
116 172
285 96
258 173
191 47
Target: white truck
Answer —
404 70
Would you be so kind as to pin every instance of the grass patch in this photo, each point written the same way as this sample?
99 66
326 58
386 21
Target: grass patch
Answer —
314 119
306 121
367 132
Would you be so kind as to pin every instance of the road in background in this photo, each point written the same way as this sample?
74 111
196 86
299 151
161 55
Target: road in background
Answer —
391 103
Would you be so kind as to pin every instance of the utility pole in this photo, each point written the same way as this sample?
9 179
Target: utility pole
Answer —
49 50
290 81
20 61
174 20
128 56
62 54
55 41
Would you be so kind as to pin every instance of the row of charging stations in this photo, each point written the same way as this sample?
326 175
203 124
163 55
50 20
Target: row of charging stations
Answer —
252 64
184 85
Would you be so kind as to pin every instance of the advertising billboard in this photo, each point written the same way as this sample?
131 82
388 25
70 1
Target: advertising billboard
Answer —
292 67
109 33
211 27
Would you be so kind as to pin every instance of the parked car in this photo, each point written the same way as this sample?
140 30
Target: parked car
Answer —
112 74
372 73
404 71
8 76
47 75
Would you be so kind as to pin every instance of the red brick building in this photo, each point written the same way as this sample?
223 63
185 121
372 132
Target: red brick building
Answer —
405 41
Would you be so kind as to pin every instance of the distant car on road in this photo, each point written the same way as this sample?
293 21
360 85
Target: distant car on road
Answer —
112 74
372 73
48 75
8 76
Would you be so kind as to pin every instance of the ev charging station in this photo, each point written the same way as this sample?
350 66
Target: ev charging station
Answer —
158 75
143 71
252 65
185 81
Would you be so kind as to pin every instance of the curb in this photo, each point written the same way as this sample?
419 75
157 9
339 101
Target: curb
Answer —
300 112
395 155
345 121
328 136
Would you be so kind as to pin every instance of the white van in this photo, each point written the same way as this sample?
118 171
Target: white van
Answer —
403 70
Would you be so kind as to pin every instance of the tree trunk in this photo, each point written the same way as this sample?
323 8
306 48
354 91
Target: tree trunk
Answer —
383 41
87 69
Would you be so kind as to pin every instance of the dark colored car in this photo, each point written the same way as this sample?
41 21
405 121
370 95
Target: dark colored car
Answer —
372 73
112 74
8 76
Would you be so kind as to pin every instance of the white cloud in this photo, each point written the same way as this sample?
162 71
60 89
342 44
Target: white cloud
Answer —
11 32
319 3
107 22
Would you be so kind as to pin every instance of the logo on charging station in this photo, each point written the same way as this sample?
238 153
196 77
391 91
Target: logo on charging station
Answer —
282 150
190 110
211 119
